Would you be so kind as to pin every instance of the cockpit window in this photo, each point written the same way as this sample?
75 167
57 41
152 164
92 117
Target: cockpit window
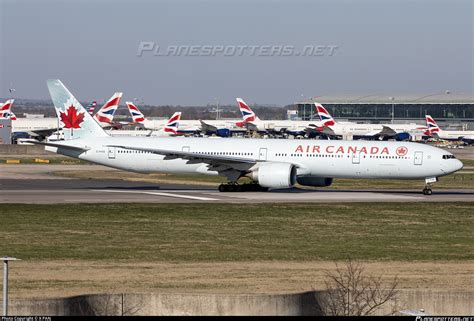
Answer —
448 156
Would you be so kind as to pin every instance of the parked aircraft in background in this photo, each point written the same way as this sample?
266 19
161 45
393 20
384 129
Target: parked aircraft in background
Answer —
91 107
171 128
433 130
207 127
43 127
354 130
105 115
270 163
251 122
6 110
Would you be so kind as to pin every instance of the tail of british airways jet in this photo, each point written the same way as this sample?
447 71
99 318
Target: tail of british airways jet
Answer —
5 110
433 127
248 114
74 118
324 115
137 115
106 113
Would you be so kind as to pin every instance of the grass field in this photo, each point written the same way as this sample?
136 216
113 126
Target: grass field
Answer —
229 232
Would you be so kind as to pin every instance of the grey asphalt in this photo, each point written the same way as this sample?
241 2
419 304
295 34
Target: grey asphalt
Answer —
47 191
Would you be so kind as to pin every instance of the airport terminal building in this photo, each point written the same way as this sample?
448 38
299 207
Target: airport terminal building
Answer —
450 111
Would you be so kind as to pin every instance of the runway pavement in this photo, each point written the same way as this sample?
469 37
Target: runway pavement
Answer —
47 191
36 184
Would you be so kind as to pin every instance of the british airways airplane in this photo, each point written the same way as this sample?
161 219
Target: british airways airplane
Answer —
397 131
433 130
270 163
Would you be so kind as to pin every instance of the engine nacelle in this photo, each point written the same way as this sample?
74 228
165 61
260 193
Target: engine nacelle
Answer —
223 132
402 137
275 175
314 181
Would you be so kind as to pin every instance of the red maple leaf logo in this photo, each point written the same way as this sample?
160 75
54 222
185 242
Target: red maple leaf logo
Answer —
71 118
402 151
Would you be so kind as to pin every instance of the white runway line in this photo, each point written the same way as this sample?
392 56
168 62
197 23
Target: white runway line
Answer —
199 198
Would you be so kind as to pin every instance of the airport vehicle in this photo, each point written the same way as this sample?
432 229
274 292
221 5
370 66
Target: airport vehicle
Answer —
368 131
433 130
270 163
251 122
207 127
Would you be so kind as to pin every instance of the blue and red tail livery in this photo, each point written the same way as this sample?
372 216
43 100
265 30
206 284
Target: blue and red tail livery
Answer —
106 112
173 124
432 125
324 115
247 114
5 110
137 115
91 107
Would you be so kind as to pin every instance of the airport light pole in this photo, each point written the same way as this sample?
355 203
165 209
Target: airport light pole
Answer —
446 92
5 260
393 108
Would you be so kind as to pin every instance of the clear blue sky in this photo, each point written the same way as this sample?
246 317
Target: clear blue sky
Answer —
383 46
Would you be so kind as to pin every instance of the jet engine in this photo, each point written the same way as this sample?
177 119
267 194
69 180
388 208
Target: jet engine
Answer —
402 137
314 181
275 175
223 132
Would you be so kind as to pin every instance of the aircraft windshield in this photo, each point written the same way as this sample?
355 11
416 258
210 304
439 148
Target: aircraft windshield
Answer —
448 156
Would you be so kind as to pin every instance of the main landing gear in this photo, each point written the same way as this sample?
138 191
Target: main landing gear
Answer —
234 187
428 183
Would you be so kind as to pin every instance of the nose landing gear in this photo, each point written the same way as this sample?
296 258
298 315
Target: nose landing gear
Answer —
427 190
428 183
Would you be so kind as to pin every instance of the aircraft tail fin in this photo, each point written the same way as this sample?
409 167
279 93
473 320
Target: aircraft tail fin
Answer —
74 118
137 115
106 113
5 110
173 124
247 114
433 127
324 115
91 107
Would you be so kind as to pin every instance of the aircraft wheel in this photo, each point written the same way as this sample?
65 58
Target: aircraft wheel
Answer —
223 188
427 191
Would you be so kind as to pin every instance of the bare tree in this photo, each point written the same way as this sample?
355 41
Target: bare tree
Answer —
350 291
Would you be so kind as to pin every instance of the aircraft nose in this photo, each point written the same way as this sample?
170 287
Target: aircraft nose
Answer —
458 165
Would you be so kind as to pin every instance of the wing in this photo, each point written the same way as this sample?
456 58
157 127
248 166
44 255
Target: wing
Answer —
59 145
231 167
205 127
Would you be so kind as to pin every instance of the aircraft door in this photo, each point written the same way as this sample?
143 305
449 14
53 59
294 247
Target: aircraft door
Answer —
356 158
185 149
262 155
418 158
111 152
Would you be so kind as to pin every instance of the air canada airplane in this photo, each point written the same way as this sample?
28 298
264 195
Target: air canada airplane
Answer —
270 163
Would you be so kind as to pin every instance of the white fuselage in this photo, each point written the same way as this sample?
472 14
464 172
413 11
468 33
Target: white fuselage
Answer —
187 125
288 125
454 135
335 159
32 124
354 129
